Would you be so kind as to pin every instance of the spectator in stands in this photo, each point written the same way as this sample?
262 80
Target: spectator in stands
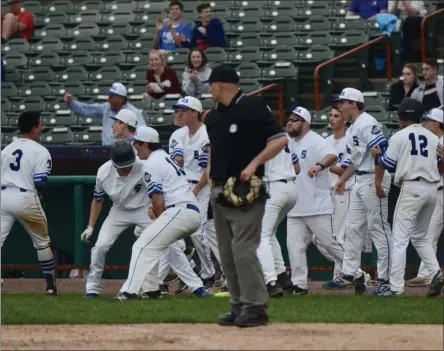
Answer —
367 9
160 78
17 23
172 33
196 74
404 87
117 100
430 93
209 32
411 29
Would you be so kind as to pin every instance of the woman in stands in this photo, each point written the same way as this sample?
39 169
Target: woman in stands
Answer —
196 74
160 78
404 87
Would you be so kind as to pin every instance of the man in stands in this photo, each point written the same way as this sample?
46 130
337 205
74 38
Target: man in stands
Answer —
367 9
430 93
172 33
209 32
17 23
117 101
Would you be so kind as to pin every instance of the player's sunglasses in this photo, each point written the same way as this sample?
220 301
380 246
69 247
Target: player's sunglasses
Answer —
294 120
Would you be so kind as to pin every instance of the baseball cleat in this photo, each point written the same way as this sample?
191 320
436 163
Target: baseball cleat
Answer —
383 286
339 283
285 281
51 292
202 292
436 285
297 291
164 289
151 295
91 296
417 282
124 296
228 319
208 282
387 293
360 286
274 289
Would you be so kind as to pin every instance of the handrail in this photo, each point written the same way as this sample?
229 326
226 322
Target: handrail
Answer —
260 91
349 53
423 33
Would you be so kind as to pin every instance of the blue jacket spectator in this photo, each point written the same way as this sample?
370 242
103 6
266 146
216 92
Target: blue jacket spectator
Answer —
172 33
209 32
107 111
367 9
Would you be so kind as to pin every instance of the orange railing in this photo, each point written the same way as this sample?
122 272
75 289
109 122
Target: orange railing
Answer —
347 54
423 32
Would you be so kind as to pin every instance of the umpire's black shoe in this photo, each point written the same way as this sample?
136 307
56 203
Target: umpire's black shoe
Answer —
228 319
285 281
251 319
360 286
296 290
274 289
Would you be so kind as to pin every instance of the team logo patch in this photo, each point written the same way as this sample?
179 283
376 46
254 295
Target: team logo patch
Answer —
147 177
233 128
173 144
206 148
376 130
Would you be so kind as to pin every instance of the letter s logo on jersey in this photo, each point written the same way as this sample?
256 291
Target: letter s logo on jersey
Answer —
147 177
304 154
137 188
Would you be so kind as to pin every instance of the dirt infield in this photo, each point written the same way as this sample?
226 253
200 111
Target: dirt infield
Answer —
277 336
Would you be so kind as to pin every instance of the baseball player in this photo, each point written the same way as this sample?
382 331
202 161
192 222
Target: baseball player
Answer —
434 122
313 212
26 166
190 146
367 209
279 177
411 154
174 208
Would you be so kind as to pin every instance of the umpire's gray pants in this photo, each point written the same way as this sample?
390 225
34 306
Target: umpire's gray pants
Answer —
238 235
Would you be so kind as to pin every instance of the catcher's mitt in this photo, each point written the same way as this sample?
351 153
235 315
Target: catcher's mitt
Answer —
242 194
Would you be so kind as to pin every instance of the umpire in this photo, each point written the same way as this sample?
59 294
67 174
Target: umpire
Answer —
243 136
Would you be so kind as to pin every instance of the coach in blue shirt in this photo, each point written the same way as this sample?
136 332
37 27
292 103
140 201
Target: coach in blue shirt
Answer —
107 111
367 9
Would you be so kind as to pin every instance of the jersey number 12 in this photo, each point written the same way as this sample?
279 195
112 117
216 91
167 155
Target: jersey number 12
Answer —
15 166
422 145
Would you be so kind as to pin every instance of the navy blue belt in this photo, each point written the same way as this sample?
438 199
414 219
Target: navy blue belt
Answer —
193 182
189 206
363 172
21 189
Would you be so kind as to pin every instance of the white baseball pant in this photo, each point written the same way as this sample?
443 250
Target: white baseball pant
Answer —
210 232
25 207
173 224
411 220
282 199
341 205
175 258
199 238
368 212
435 229
115 223
300 232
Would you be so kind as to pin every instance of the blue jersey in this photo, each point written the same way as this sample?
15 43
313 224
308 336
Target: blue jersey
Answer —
166 39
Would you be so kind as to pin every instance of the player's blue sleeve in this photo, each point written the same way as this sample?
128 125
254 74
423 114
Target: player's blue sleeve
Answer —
153 181
389 159
202 160
43 170
388 163
294 158
154 188
178 152
347 160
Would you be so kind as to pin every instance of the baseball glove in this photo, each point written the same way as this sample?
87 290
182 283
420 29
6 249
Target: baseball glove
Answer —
243 194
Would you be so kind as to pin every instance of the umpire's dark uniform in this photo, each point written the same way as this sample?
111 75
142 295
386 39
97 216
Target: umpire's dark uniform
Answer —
238 133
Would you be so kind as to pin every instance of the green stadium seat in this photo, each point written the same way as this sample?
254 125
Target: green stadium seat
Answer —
349 39
377 111
107 58
30 103
244 12
55 104
6 105
245 39
141 42
60 6
145 28
59 118
74 88
316 8
13 75
51 30
88 16
37 74
343 25
118 16
177 56
76 58
321 117
246 25
162 119
83 43
113 42
316 53
103 86
313 38
278 39
5 120
115 29
152 5
8 89
90 135
106 73
13 119
243 3
249 85
15 46
136 88
325 131
88 5
137 58
121 5
9 137
283 9
52 18
136 74
280 53
167 103
48 44
280 24
75 73
245 54
207 103
34 89
32 6
373 98
15 59
218 55
83 30
248 70
57 135
280 70
314 24
220 10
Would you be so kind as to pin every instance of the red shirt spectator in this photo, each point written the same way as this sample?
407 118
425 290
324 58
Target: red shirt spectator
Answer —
17 23
160 78
27 19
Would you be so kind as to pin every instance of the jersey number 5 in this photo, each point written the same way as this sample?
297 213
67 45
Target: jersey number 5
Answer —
422 145
18 157
176 167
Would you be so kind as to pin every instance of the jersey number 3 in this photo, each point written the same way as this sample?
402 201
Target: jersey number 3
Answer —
18 157
422 145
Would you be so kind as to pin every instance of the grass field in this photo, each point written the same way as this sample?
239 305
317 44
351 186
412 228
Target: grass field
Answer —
18 308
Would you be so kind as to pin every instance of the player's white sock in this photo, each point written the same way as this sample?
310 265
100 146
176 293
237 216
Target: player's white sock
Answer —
47 263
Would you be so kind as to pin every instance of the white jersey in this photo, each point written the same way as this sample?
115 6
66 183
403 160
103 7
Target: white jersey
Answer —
175 145
126 193
364 133
340 149
313 193
412 151
25 163
281 167
441 141
164 176
195 153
